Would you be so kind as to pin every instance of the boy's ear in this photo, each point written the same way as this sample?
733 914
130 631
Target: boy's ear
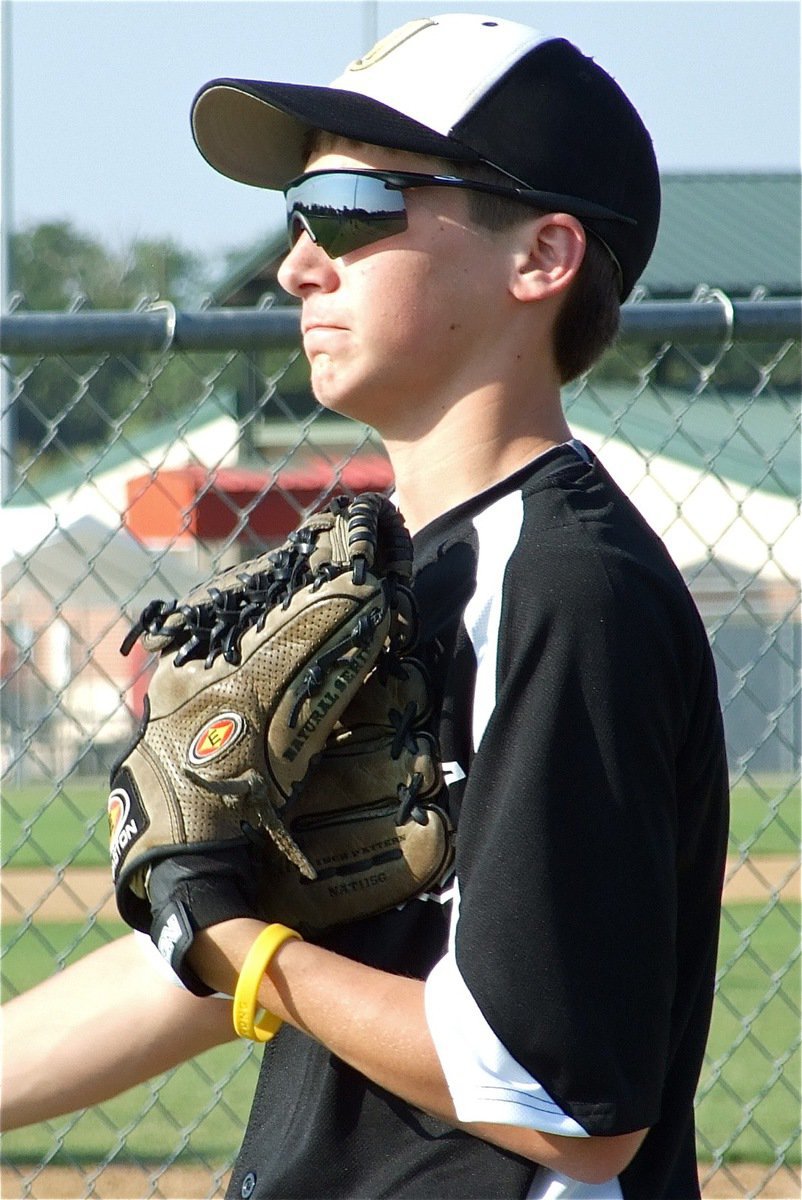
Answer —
547 260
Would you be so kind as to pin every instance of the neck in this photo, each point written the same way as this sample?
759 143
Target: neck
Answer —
476 443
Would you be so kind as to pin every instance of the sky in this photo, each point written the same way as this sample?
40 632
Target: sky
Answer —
97 98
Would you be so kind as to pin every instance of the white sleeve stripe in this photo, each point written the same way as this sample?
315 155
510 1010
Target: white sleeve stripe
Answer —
485 1081
498 529
511 1095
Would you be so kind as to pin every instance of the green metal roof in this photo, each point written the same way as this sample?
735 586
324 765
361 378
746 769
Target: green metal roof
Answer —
735 232
749 440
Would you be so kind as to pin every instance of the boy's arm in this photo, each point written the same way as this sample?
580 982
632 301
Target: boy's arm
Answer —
376 1022
88 1033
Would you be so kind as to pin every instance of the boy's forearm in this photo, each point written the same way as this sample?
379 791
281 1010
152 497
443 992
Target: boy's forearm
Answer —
96 1029
376 1022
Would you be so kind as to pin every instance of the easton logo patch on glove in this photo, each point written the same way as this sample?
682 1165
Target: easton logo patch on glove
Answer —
127 818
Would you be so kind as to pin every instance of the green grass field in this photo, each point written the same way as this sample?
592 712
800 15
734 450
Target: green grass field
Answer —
750 1082
43 826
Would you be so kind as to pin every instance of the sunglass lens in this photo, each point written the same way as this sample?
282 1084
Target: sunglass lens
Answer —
343 211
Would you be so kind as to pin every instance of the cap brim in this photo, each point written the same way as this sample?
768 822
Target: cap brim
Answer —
256 132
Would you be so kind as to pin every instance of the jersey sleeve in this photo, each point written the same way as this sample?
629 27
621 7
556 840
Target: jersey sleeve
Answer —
553 1005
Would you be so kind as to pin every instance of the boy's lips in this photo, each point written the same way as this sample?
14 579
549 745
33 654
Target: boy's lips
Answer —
315 332
310 323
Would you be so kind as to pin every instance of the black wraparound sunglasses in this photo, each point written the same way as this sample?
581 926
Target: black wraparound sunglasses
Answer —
346 210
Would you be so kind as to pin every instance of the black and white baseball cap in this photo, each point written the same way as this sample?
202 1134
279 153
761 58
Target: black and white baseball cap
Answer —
470 89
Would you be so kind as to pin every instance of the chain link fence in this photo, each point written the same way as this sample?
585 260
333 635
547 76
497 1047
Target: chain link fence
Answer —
143 450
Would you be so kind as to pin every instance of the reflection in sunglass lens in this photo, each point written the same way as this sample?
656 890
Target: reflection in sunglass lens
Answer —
342 211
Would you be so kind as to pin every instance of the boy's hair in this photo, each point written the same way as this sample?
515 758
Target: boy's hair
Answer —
588 320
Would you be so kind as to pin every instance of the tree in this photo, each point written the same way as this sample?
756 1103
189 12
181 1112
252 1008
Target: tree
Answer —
54 265
69 402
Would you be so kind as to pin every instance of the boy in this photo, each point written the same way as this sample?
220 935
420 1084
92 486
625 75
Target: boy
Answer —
535 1028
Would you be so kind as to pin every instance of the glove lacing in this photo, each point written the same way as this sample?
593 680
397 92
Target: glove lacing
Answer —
216 626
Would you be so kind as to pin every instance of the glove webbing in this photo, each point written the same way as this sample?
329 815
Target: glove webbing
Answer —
216 626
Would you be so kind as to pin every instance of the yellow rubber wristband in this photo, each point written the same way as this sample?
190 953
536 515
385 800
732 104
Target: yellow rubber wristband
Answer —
246 994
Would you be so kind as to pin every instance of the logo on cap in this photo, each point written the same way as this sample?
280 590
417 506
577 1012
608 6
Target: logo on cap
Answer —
215 737
388 43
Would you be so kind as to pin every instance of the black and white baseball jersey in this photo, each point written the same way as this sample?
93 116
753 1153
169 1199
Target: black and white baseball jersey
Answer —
569 961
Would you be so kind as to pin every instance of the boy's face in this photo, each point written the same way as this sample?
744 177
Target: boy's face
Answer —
397 331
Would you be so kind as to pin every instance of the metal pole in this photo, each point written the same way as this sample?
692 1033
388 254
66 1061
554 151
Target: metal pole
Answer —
160 328
7 418
370 23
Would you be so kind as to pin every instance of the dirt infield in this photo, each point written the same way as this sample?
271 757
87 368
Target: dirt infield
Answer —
113 1183
746 1179
40 892
191 1183
82 890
